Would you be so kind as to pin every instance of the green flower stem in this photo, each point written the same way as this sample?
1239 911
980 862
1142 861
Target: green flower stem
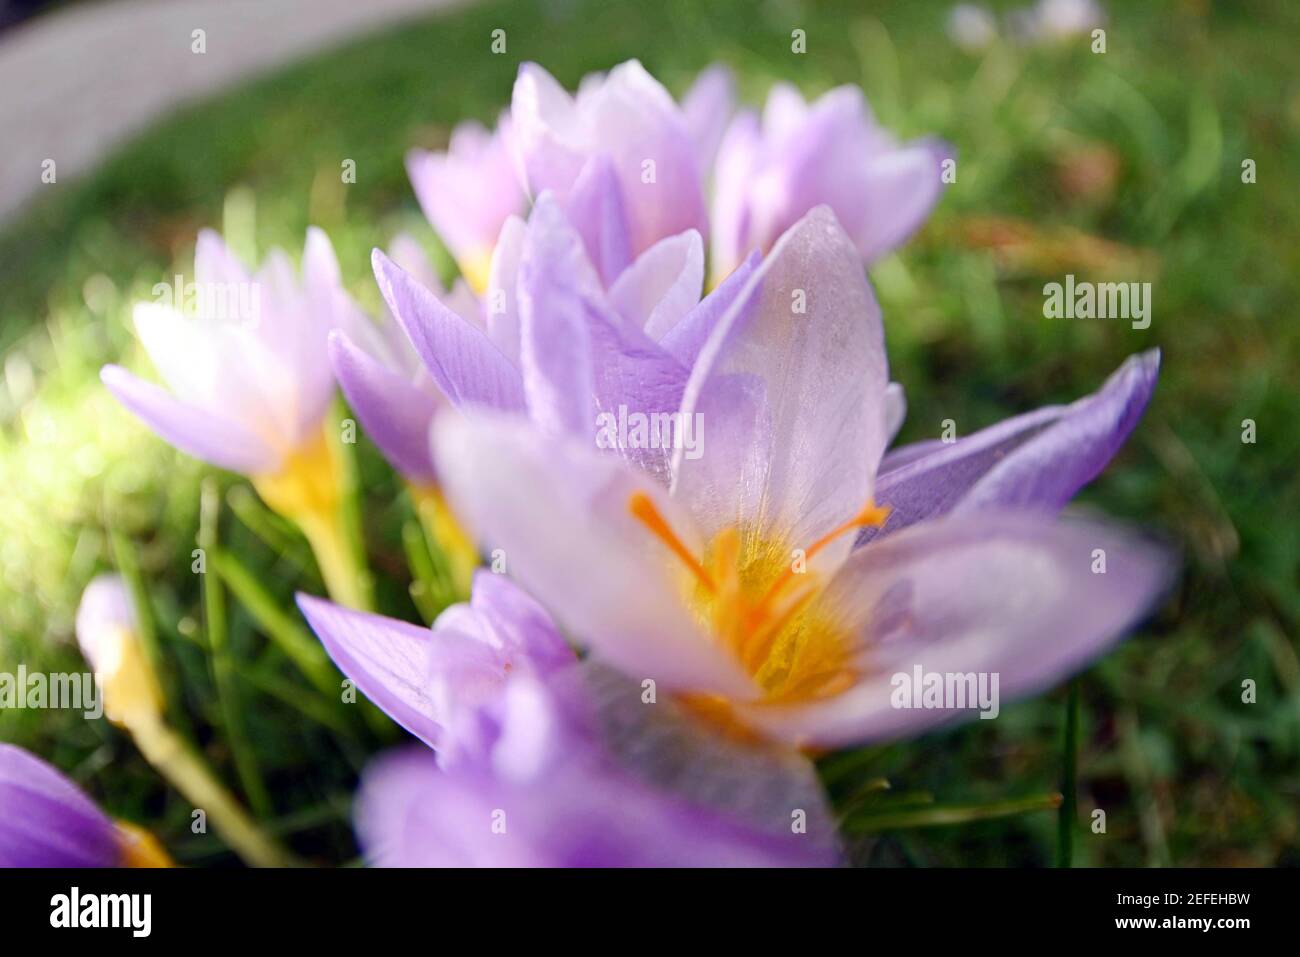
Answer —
223 672
1069 780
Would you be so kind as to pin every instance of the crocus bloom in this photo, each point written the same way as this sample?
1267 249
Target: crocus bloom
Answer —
250 392
737 588
49 822
523 786
519 778
424 677
468 193
108 633
625 118
971 26
771 171
1049 21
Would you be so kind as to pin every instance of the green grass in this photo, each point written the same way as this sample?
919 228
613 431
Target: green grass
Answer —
1185 772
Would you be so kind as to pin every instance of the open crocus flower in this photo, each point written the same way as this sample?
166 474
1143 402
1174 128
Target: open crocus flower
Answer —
50 822
771 171
737 587
248 389
468 193
520 780
624 119
524 784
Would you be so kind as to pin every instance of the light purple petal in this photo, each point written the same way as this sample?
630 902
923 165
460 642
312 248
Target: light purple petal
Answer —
813 345
595 208
464 363
1036 460
685 339
386 658
901 187
47 821
193 431
707 108
1012 594
663 285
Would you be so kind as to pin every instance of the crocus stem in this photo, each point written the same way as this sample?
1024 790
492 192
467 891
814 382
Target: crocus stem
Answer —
214 619
343 579
448 535
169 755
1069 780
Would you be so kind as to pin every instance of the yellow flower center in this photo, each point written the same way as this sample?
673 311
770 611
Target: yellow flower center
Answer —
755 597
476 268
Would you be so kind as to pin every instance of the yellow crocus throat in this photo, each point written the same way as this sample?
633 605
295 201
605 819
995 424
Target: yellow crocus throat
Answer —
450 536
476 268
307 490
754 595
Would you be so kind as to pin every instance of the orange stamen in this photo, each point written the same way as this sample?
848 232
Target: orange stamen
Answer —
869 514
645 511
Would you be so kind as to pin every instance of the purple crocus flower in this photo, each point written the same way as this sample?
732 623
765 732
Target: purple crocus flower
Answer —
424 677
737 587
468 193
523 776
626 121
770 171
50 822
524 786
247 389
558 345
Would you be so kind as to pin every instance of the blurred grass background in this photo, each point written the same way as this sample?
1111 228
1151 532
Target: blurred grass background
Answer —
1123 166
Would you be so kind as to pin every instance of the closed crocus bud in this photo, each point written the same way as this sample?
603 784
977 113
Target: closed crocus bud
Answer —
108 633
49 822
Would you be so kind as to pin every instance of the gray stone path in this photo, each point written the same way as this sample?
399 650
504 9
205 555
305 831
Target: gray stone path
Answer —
76 82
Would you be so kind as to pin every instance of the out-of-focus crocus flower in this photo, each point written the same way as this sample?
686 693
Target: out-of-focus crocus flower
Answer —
468 193
396 400
971 27
1051 21
708 107
771 171
525 785
626 120
109 635
249 390
424 678
50 822
482 687
738 587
